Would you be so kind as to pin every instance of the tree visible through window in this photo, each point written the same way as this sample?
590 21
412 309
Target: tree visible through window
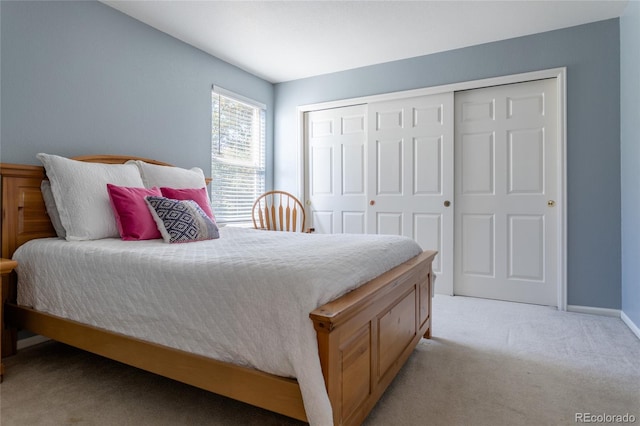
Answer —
237 155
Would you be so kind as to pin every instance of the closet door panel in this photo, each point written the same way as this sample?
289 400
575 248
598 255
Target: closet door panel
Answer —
410 175
335 173
506 191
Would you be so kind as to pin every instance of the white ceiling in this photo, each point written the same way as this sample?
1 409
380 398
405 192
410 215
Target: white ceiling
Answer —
287 40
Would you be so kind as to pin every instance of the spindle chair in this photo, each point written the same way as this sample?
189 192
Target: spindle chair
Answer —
278 211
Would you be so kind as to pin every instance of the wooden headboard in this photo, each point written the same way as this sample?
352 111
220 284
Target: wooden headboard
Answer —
24 216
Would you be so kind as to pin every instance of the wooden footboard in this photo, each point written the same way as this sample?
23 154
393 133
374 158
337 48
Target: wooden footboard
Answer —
364 337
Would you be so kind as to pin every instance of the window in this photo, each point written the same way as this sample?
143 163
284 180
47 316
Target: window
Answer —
237 155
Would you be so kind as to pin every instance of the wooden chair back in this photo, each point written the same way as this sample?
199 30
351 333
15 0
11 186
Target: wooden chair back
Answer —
278 211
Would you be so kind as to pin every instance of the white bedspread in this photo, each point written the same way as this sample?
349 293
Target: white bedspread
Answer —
244 298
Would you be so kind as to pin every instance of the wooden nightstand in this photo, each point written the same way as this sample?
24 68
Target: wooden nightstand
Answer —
6 266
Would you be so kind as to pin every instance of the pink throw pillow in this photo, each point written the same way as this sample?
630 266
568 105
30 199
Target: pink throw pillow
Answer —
199 195
133 217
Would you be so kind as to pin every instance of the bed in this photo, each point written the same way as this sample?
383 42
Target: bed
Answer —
361 338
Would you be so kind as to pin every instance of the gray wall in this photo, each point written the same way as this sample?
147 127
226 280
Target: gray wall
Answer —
82 78
591 54
630 152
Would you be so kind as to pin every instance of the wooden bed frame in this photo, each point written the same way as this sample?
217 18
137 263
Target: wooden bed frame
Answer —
364 337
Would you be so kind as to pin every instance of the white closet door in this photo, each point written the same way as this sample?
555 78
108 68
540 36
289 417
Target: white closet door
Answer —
506 182
336 140
410 175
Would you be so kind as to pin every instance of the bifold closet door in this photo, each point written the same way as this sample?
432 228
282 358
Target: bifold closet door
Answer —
506 221
410 175
385 168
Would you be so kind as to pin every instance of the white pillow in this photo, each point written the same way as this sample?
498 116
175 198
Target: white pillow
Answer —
52 210
80 193
169 176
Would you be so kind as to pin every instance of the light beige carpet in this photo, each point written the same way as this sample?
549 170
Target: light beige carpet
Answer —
490 363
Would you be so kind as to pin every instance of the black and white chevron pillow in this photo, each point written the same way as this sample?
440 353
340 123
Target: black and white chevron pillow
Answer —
181 221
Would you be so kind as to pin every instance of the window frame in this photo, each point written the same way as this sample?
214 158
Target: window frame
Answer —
222 214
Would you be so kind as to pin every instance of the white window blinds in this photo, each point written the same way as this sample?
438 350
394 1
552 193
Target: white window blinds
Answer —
237 155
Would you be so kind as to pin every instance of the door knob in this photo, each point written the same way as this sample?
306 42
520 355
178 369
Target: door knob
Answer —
372 202
551 203
447 203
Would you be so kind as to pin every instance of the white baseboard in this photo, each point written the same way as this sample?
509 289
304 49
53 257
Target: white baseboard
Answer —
634 328
594 311
31 341
608 313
